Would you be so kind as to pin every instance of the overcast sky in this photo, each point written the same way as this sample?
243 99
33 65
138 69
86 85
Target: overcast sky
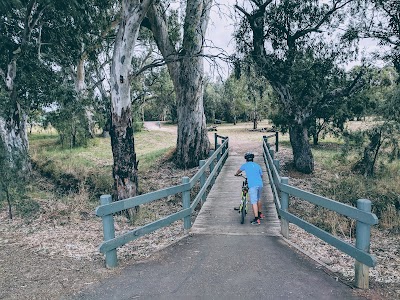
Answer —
220 35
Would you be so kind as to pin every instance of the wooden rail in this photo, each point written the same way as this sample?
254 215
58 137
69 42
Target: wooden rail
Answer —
107 208
362 214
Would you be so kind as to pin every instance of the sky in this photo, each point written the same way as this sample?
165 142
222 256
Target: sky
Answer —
220 34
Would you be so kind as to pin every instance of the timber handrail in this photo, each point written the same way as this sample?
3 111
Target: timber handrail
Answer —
107 208
281 190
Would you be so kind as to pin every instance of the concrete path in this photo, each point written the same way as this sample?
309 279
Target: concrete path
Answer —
223 259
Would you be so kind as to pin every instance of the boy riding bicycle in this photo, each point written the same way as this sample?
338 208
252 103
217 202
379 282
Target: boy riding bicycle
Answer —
254 178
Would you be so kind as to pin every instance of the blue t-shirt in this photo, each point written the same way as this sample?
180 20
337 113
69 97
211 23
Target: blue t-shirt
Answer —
253 174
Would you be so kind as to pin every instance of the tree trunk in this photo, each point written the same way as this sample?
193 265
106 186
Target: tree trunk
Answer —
254 120
13 128
302 155
192 141
10 215
121 131
81 90
366 165
315 138
186 71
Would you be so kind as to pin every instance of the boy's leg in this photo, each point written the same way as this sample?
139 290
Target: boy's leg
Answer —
259 208
255 210
253 193
259 203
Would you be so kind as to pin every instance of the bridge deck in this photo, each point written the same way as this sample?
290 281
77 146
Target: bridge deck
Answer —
217 215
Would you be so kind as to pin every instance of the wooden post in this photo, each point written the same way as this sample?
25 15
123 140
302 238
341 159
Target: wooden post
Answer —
215 141
109 233
218 158
187 223
202 181
227 150
212 167
277 141
284 207
363 236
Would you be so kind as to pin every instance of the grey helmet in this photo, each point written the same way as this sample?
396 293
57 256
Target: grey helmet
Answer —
249 156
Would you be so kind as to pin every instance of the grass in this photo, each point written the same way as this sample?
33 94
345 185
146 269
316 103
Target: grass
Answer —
339 182
77 168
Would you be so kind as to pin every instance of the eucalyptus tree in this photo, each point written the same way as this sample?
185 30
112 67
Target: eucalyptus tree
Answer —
22 72
79 33
39 41
288 40
122 140
185 65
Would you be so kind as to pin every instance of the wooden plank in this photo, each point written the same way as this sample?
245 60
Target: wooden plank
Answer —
134 234
341 208
347 248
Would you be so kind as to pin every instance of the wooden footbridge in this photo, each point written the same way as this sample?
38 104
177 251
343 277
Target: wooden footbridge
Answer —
240 260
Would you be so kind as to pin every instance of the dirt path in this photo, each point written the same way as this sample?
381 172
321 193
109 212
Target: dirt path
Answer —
159 126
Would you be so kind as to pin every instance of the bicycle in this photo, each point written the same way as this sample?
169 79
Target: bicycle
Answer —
244 201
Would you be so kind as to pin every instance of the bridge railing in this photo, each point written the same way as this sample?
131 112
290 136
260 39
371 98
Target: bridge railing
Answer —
281 190
108 208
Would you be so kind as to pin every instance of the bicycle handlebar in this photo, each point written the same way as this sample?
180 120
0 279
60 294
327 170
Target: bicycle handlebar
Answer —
241 175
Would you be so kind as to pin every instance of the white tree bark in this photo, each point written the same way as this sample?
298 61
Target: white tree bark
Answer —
13 128
122 141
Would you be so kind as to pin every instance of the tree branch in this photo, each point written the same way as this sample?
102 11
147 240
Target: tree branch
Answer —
157 23
321 22
345 91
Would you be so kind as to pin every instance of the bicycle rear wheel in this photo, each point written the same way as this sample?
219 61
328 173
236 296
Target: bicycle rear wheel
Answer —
243 212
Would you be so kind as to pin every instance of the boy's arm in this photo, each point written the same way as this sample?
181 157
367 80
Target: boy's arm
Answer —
238 172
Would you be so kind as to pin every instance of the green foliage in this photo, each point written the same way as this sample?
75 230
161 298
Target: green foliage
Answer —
371 143
158 100
243 98
383 191
69 119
